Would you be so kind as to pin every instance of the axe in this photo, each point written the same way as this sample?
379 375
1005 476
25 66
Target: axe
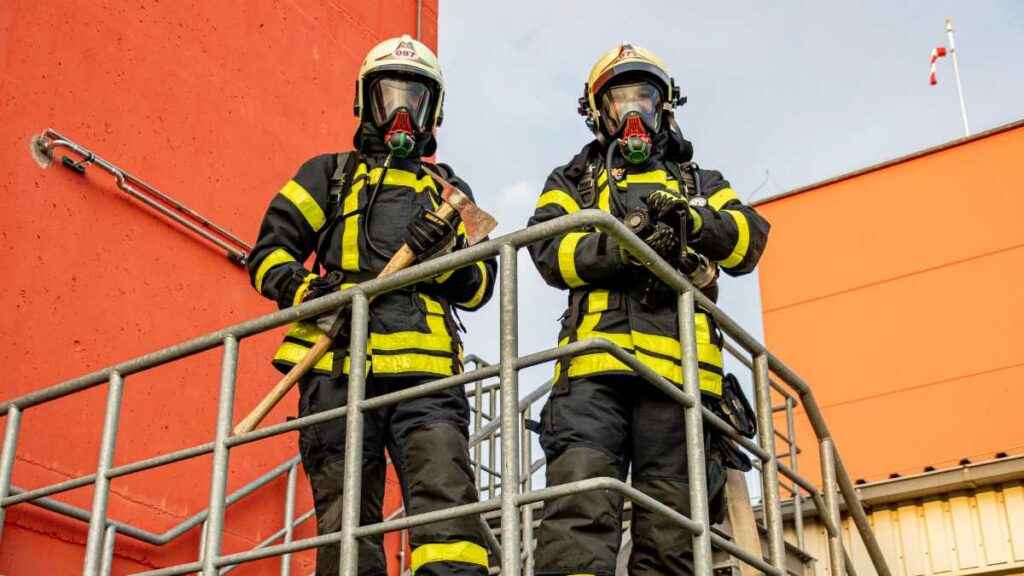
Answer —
455 204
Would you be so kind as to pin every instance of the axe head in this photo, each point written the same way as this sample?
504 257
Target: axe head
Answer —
478 223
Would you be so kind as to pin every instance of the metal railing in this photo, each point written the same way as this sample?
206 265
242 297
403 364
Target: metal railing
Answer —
513 495
43 146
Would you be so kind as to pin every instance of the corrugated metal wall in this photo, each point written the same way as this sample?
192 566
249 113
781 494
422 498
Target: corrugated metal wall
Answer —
967 532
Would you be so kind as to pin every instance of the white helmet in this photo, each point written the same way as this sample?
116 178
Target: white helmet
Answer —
403 56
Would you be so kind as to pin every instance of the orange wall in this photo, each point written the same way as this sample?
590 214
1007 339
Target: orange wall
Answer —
216 103
897 295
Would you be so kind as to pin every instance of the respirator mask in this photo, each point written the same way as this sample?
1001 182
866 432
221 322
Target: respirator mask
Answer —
632 113
401 108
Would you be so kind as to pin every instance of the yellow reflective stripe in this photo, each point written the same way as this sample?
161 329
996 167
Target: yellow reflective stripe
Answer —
305 203
461 551
436 341
597 301
478 296
720 198
396 177
433 306
350 235
742 240
663 345
697 222
671 370
653 177
300 293
595 364
278 256
292 353
602 177
604 200
412 362
567 258
442 278
305 331
559 198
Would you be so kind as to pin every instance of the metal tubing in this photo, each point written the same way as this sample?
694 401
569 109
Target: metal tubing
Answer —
109 538
7 459
492 453
478 403
769 470
273 537
101 489
694 421
289 513
828 473
798 499
219 475
510 550
353 480
527 470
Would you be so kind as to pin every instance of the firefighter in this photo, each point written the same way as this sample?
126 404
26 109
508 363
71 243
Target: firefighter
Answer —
352 212
601 418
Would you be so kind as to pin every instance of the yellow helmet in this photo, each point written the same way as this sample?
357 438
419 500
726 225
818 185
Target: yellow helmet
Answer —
625 59
401 55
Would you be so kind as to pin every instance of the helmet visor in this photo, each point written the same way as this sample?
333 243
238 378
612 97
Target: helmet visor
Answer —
643 98
388 95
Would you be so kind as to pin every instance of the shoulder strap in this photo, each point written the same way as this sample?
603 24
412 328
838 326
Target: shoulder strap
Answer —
587 186
345 164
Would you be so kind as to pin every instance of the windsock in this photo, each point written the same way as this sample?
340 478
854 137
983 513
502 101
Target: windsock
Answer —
937 53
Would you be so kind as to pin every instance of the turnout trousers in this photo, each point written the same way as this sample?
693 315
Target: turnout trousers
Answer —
426 438
600 426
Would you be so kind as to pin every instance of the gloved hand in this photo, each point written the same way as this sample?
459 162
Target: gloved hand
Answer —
429 235
665 204
324 285
662 238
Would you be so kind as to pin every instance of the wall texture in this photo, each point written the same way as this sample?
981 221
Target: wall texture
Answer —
896 294
216 103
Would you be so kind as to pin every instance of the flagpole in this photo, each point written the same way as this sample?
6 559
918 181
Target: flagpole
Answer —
956 71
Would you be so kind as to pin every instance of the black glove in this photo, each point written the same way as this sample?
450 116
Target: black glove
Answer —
324 285
429 235
664 203
662 238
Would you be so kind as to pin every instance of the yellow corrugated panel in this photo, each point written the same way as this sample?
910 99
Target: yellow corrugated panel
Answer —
993 527
940 545
961 511
1013 497
963 534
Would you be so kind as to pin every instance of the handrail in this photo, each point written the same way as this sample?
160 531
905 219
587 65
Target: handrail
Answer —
507 369
43 145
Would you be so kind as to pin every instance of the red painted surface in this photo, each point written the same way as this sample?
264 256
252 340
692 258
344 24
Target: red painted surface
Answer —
216 103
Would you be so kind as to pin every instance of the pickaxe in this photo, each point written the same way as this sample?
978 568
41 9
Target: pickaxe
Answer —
455 205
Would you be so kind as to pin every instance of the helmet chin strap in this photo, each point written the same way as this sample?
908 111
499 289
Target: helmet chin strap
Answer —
635 141
399 137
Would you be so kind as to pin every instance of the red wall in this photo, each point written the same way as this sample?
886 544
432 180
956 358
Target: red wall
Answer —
216 103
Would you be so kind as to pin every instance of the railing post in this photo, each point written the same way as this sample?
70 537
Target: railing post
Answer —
694 420
108 550
828 474
770 469
289 514
798 499
7 459
509 411
527 465
478 403
101 489
492 445
219 475
353 480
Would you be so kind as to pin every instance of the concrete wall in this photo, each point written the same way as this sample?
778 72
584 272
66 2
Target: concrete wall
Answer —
216 103
896 294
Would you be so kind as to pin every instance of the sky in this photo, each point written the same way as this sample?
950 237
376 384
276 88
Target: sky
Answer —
780 95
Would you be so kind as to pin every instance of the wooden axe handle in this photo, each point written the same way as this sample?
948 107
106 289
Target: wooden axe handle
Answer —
401 260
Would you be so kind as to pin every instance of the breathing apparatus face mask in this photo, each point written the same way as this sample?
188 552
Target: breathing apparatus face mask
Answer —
401 107
632 112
